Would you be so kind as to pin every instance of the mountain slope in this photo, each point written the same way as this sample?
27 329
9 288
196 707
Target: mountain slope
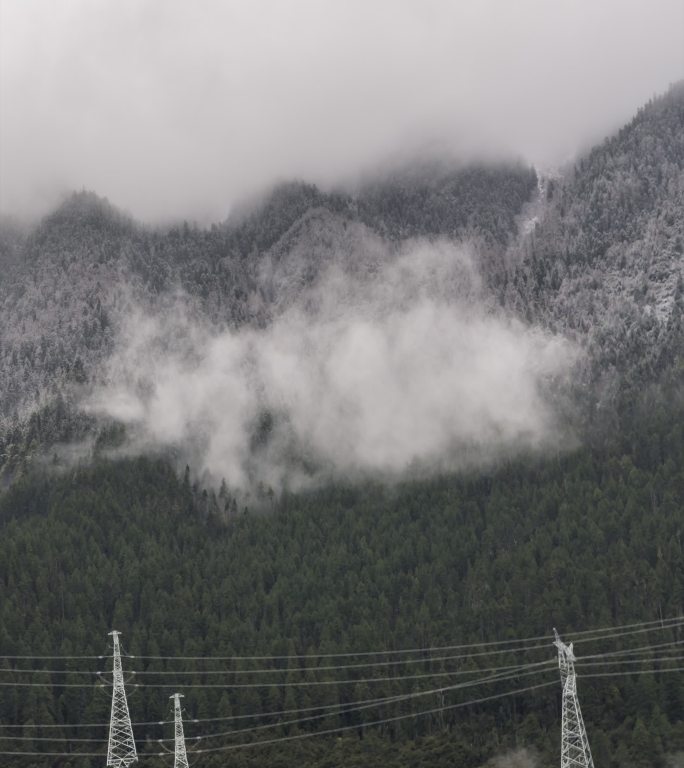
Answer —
587 537
87 268
607 257
604 265
594 540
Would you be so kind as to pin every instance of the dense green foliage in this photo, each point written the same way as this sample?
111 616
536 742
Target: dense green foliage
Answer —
586 540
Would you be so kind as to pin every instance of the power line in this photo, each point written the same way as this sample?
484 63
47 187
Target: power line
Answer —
515 671
340 708
629 651
66 658
71 754
303 683
285 670
55 685
342 728
299 736
383 721
225 718
290 684
656 624
196 720
343 709
661 624
674 625
297 670
269 684
389 700
320 669
634 672
659 660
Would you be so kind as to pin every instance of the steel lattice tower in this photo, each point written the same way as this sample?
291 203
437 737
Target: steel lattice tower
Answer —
574 743
181 757
121 751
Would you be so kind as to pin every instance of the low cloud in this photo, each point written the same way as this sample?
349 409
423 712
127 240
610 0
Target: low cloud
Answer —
384 370
176 109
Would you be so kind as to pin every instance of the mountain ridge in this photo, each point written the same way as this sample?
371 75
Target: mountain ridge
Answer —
579 536
88 265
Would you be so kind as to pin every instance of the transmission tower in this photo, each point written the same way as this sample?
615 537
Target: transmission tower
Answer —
121 750
181 758
575 750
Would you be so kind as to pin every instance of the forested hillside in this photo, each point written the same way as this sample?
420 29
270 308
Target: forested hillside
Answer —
584 541
99 532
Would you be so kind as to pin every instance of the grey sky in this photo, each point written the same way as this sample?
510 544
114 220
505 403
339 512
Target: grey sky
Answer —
175 108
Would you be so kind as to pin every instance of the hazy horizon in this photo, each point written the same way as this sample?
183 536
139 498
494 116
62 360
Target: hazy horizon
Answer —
172 110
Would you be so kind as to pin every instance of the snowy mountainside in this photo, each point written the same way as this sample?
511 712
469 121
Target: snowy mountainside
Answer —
79 275
595 255
605 262
614 225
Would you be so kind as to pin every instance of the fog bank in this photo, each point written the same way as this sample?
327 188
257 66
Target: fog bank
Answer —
388 372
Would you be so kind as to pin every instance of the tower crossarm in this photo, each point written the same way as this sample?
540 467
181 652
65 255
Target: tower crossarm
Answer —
566 657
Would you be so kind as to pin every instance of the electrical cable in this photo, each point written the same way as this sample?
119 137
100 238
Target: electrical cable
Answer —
633 672
662 624
301 736
269 684
271 714
344 728
285 671
383 721
305 683
296 670
629 651
674 625
390 700
343 709
656 624
659 660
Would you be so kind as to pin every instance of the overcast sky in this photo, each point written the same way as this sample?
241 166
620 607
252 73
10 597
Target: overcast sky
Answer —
176 108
